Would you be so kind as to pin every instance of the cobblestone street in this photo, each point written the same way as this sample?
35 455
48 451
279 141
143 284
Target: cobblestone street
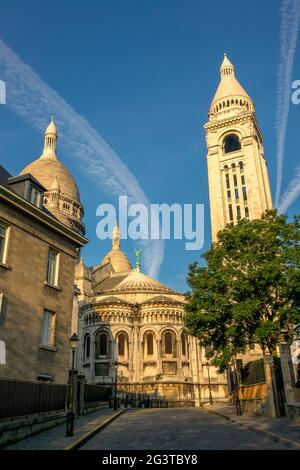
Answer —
177 429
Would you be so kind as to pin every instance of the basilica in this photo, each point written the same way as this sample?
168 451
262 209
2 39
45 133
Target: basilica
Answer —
131 327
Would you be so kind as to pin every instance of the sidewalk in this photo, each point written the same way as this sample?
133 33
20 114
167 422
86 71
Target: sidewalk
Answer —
282 430
55 438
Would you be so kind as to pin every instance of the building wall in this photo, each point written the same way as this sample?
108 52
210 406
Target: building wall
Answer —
22 281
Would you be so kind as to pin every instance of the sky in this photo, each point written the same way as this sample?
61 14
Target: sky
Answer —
143 73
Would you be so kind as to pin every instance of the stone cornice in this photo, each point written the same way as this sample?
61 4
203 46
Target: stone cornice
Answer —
214 125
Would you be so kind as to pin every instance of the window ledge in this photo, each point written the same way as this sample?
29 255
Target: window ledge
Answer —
47 348
4 265
58 289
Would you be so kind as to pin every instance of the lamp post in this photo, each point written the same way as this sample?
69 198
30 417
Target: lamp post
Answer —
116 386
209 384
71 411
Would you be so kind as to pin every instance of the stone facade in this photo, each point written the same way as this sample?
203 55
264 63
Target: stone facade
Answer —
30 232
237 170
132 327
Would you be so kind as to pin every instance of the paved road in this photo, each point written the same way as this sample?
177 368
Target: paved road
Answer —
176 429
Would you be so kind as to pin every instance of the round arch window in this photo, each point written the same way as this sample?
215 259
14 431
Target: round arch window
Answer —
231 143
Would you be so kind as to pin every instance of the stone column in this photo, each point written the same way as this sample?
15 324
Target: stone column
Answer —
288 379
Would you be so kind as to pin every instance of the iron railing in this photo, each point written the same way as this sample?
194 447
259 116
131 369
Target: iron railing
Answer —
253 373
93 393
23 397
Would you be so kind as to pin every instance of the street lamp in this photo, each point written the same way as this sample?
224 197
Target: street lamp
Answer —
71 412
116 386
209 384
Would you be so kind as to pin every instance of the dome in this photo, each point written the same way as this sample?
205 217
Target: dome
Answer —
138 281
46 170
62 197
230 94
118 260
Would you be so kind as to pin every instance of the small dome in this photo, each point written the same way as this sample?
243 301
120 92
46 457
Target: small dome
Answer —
118 260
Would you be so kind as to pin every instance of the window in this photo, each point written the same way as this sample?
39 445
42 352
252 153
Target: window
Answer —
35 196
87 346
238 212
52 269
102 345
235 180
228 194
149 344
184 348
2 242
243 180
102 369
169 343
236 193
48 329
121 344
230 212
227 181
246 212
244 193
231 143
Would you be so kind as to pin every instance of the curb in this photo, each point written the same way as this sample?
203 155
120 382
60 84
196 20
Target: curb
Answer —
270 435
82 440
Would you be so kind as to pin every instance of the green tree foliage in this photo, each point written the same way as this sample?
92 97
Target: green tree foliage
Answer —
249 292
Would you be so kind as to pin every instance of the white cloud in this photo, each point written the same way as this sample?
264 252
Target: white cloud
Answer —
32 99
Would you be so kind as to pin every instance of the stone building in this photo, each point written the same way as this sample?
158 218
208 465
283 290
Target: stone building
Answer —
41 232
237 170
132 327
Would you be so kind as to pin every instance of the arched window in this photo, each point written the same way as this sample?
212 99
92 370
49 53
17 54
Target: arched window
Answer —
231 143
102 345
122 344
184 349
149 344
87 347
169 343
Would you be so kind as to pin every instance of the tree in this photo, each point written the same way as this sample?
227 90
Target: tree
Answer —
249 292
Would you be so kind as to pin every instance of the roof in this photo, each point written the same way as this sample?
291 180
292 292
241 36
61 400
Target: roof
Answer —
133 281
4 176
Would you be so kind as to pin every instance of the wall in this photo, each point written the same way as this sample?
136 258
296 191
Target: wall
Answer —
23 282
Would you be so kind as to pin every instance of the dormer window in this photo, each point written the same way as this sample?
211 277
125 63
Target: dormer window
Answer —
35 195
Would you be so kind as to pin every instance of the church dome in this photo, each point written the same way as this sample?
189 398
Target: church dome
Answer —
46 170
138 281
118 260
116 257
62 197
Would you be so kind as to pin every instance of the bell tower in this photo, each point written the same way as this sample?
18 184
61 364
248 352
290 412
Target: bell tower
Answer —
237 170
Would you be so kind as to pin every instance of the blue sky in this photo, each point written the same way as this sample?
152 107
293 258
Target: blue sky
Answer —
143 74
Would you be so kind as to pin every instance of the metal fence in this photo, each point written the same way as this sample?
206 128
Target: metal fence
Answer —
93 393
22 397
253 373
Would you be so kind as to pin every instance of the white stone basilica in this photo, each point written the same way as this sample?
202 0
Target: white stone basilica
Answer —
133 326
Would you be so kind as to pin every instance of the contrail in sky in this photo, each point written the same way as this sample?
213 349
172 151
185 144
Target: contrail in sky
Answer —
291 194
290 17
32 99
